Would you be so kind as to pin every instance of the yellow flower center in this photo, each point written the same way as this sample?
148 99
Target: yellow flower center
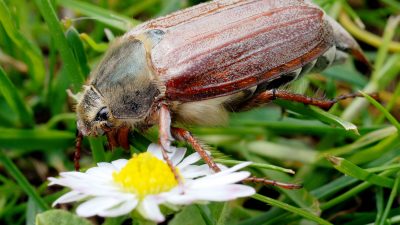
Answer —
145 174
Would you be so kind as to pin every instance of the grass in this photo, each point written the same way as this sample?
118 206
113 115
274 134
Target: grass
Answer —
347 158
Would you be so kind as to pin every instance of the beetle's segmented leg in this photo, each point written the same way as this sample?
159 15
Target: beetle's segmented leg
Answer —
273 94
78 148
184 135
273 183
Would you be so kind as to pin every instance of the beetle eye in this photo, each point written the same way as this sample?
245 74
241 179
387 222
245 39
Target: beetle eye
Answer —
102 115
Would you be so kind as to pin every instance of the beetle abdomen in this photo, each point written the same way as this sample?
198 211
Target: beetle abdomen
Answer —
232 49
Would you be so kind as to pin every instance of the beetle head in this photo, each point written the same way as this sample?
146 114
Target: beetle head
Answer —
122 91
93 114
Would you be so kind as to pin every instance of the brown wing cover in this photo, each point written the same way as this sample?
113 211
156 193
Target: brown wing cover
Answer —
222 47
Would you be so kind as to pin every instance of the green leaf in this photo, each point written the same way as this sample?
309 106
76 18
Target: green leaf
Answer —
107 17
14 100
60 217
33 54
70 63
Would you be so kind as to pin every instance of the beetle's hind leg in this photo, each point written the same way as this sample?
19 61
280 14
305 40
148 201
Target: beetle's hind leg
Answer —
269 95
184 135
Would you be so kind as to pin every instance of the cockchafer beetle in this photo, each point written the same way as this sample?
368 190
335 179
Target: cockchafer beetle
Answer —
196 65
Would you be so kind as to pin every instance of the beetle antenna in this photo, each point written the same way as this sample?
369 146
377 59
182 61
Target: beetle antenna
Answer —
78 148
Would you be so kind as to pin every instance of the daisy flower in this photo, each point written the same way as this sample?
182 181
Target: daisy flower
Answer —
145 182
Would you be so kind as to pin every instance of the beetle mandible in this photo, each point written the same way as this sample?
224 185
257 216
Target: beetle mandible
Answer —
196 65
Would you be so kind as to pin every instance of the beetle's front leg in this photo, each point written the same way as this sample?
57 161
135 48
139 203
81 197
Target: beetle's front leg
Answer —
78 149
165 128
166 138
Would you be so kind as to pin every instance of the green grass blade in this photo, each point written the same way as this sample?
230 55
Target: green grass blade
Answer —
33 54
352 170
393 3
35 139
383 110
22 181
139 7
380 80
76 44
365 140
352 192
14 100
301 197
70 63
98 47
98 151
392 196
319 114
287 207
107 17
388 34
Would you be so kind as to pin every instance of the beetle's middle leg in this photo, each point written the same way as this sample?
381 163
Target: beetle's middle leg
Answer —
269 95
184 135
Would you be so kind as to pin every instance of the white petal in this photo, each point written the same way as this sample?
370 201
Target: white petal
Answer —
234 168
71 196
189 160
177 155
182 199
120 163
174 154
95 205
150 210
119 210
223 193
101 173
193 171
104 165
155 149
213 180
